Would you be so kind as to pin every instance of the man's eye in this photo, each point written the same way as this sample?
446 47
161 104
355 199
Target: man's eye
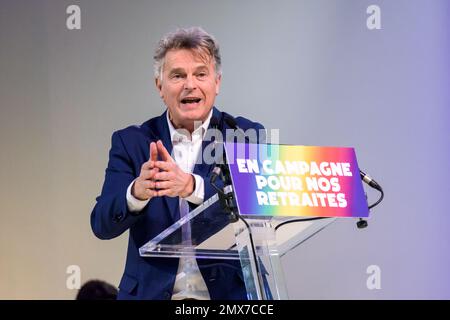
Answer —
201 75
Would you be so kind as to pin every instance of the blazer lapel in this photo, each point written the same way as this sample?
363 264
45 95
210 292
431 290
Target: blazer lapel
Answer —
164 134
201 167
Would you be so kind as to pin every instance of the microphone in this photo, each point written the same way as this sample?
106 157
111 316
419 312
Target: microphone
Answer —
217 170
214 123
215 173
372 183
226 196
231 122
367 179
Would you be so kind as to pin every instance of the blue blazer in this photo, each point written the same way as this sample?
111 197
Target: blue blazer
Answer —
154 278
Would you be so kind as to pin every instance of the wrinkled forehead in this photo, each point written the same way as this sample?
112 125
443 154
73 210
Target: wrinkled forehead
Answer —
174 58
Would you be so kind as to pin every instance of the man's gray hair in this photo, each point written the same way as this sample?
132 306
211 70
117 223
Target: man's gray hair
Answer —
191 38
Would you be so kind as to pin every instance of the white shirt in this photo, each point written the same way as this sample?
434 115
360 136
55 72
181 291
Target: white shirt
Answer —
189 282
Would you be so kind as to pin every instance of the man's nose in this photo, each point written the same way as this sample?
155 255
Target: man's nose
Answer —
189 84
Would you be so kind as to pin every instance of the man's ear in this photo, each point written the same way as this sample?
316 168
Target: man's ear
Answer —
218 81
159 86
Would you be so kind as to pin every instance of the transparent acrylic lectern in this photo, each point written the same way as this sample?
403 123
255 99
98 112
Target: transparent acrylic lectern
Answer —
213 236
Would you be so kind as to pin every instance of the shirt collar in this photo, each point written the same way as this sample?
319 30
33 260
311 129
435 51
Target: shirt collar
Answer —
178 135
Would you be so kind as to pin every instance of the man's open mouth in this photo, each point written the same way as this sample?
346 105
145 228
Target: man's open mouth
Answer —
190 100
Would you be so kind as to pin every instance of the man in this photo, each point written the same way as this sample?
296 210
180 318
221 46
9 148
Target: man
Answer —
152 176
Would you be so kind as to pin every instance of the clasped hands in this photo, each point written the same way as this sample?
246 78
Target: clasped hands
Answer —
163 177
